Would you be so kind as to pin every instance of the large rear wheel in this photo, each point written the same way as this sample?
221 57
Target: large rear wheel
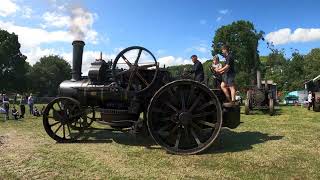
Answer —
184 117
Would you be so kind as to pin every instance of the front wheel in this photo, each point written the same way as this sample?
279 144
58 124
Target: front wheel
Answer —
63 119
184 117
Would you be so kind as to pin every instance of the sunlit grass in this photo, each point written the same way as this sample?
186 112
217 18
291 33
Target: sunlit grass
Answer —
285 146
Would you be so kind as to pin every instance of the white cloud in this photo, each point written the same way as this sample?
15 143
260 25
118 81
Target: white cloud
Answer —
224 11
34 54
286 35
27 12
88 56
172 61
8 7
32 37
202 48
203 21
53 19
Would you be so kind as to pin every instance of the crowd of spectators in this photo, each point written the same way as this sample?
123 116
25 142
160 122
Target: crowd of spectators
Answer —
8 109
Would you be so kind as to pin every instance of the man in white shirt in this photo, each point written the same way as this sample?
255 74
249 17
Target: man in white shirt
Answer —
309 100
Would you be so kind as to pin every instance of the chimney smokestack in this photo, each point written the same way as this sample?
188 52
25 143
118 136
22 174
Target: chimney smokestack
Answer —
77 59
258 79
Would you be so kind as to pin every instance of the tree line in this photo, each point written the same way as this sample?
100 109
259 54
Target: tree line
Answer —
18 76
289 72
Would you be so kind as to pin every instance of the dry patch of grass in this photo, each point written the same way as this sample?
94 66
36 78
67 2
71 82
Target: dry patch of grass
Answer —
285 146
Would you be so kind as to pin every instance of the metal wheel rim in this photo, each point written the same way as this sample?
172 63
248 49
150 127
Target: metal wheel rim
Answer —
58 122
195 147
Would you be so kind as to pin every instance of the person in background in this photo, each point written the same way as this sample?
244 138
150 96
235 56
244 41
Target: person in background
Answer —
6 105
197 69
36 112
238 97
22 106
309 100
30 103
15 113
216 65
228 75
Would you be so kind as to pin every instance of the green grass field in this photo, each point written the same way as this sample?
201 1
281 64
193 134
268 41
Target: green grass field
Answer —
285 146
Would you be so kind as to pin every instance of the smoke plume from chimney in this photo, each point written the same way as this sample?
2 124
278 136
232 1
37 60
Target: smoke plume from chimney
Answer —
81 22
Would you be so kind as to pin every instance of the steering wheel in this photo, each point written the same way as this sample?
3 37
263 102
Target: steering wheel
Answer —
134 69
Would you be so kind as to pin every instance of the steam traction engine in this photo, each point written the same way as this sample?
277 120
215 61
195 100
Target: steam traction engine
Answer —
182 116
261 97
314 86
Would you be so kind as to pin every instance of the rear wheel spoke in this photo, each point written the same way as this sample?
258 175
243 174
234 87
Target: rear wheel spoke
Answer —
204 114
164 128
183 101
163 119
207 123
176 145
195 103
196 137
206 105
194 125
171 106
174 98
190 96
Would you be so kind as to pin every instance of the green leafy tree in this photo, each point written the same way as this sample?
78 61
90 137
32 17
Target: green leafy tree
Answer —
274 69
312 64
48 73
13 67
243 38
294 73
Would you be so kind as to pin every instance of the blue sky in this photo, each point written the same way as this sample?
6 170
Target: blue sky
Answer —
172 30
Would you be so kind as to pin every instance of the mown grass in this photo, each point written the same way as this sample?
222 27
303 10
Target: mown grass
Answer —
285 146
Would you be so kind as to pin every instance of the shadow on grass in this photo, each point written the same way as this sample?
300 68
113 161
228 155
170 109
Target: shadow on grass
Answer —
230 141
277 112
96 135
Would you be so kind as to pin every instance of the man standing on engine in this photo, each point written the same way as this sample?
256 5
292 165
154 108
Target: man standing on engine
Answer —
197 69
228 75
